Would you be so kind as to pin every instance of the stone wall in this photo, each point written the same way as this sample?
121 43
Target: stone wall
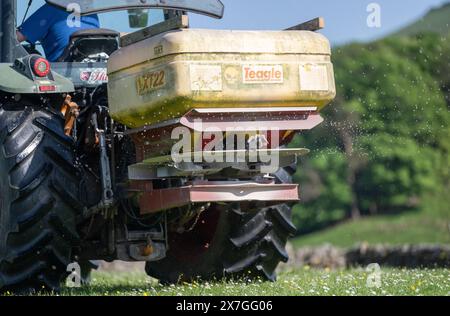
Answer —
407 256
327 256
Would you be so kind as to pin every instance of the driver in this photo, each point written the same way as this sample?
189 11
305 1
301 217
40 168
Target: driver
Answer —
53 27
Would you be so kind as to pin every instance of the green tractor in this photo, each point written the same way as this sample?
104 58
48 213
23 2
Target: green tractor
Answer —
167 145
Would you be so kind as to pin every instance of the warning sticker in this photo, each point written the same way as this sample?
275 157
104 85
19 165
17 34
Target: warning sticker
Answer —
314 77
206 78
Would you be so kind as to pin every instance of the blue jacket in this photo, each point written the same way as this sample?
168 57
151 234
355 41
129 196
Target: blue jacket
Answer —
53 27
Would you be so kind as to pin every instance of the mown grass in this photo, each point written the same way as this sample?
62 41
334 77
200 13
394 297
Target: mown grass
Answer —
302 282
408 228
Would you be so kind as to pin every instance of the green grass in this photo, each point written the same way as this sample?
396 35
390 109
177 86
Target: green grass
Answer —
408 228
304 282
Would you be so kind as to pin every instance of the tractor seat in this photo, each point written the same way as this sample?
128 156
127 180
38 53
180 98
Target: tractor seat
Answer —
90 42
94 33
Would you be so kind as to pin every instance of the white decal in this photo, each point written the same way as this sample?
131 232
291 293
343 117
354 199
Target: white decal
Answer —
206 78
314 77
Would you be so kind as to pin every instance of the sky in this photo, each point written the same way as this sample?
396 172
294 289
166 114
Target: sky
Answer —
346 20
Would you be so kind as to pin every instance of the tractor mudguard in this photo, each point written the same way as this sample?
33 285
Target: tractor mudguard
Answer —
12 81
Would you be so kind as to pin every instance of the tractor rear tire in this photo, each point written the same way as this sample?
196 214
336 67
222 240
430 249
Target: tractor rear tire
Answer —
244 246
39 185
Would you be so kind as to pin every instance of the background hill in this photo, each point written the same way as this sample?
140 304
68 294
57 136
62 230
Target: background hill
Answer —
384 152
437 21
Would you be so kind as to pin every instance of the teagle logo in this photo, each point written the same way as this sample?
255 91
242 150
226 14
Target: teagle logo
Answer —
263 74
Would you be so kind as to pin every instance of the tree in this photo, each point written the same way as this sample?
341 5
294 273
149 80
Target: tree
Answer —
386 140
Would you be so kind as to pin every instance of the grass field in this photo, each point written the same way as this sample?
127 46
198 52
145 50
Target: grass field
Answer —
408 228
304 282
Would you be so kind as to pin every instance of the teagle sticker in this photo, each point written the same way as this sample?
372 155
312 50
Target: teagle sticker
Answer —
260 74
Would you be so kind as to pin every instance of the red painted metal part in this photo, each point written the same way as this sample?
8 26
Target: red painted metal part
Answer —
155 141
153 201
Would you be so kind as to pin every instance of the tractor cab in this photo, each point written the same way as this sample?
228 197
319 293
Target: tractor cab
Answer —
88 45
116 18
84 60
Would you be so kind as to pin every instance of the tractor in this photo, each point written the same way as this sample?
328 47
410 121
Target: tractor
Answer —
167 145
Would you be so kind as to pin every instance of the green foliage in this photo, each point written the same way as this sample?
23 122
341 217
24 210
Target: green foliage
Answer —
386 141
397 172
328 195
391 93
